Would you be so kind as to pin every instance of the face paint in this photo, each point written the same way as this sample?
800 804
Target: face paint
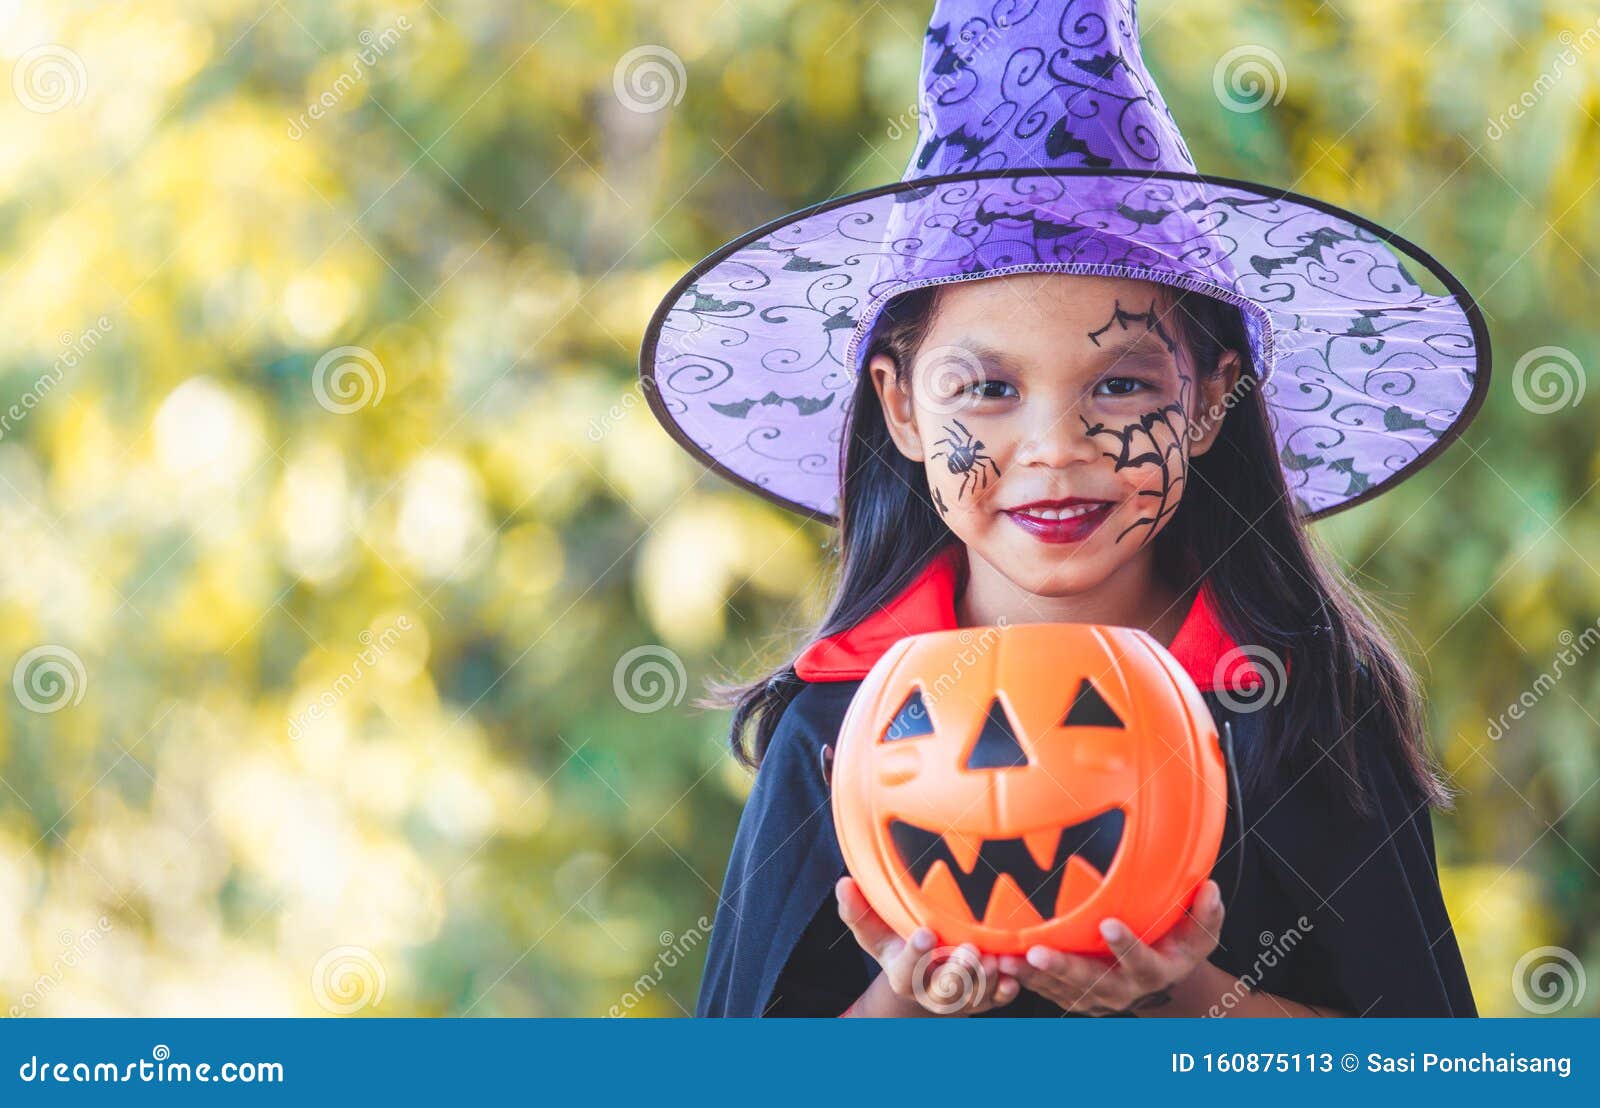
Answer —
1122 317
964 455
1157 438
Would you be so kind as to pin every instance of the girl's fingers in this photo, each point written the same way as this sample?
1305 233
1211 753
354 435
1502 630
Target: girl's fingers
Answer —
966 969
907 960
1207 911
1051 988
1018 967
1062 965
1061 973
1137 963
1072 981
1197 935
848 893
875 936
1002 988
989 975
953 983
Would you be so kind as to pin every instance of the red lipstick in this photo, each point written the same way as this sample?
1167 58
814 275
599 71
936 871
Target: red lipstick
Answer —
1078 518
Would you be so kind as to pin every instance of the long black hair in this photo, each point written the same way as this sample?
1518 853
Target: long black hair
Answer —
1275 590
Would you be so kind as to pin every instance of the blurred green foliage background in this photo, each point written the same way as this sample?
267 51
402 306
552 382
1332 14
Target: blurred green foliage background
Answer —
332 522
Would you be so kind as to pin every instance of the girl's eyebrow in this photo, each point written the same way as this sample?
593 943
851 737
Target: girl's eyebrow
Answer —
1144 342
989 355
1145 346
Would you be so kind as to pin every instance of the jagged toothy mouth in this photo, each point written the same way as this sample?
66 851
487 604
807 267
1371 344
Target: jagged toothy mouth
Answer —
1094 841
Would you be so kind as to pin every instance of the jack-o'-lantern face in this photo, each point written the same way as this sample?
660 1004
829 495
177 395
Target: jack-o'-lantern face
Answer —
1012 786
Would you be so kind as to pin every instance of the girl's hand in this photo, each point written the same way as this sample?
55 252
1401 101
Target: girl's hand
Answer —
1140 977
917 980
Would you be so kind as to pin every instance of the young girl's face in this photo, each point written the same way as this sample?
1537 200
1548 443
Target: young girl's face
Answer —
1056 417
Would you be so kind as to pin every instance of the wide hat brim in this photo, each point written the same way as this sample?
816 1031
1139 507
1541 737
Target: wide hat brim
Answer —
750 361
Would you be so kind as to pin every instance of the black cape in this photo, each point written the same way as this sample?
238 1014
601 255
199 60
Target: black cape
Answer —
1323 905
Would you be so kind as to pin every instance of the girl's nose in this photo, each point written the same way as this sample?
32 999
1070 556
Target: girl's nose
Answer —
1056 440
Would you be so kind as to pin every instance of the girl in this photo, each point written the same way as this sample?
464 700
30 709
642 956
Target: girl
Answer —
1031 436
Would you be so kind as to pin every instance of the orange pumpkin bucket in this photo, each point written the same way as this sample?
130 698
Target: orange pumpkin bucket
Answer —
1012 786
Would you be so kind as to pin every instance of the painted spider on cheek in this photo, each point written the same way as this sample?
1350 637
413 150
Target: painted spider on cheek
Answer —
965 457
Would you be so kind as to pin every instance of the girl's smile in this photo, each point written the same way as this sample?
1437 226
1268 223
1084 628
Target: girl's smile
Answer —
1070 520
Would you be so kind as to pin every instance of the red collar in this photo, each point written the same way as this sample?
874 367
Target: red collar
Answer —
928 604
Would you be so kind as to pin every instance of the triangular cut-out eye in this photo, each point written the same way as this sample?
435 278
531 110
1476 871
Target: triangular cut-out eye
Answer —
1089 709
997 746
910 721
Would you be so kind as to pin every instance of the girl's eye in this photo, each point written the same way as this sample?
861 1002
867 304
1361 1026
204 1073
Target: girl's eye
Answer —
987 390
1120 386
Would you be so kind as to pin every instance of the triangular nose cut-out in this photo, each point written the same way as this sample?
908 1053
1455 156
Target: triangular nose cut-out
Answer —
1089 709
911 720
997 746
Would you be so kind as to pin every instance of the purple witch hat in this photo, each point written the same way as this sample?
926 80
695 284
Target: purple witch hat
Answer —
1045 146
